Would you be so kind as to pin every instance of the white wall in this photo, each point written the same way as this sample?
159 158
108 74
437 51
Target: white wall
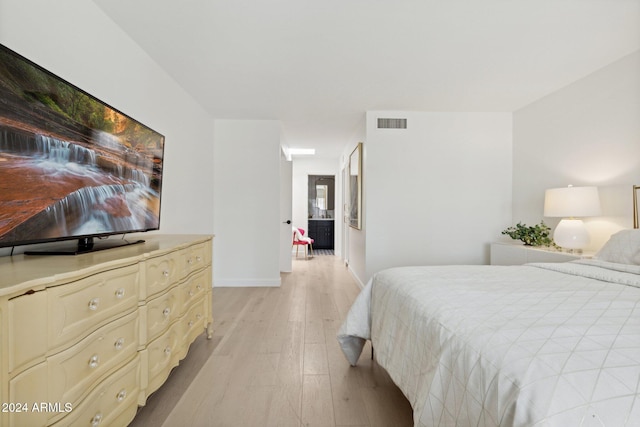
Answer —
247 203
77 41
587 133
438 192
286 195
302 168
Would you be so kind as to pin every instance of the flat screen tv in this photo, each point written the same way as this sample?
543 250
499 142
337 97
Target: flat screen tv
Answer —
71 166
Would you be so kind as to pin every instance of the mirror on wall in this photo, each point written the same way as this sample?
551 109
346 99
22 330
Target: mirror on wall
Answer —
321 196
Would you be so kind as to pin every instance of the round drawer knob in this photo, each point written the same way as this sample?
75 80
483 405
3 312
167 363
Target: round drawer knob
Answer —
94 361
190 261
167 350
190 323
120 293
121 395
166 311
119 344
165 273
93 304
198 316
199 287
96 420
198 258
191 293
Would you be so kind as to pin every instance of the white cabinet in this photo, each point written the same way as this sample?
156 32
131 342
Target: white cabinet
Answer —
515 254
85 339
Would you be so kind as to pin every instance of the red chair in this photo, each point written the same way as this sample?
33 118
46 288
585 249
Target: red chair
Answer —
300 239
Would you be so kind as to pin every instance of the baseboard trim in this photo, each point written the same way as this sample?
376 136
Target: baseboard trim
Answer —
246 283
355 276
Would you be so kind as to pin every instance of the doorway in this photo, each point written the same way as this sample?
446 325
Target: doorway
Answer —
321 212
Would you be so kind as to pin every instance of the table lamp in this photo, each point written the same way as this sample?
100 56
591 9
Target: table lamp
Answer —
571 203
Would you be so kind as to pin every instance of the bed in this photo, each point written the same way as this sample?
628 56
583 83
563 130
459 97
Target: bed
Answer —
547 344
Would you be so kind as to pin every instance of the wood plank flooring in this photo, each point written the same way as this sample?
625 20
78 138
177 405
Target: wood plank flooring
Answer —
274 361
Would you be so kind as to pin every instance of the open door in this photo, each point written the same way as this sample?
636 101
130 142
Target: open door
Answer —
286 191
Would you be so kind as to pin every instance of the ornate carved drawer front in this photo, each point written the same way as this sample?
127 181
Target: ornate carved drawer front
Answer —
76 309
161 272
162 354
192 259
114 399
74 370
194 322
161 312
194 288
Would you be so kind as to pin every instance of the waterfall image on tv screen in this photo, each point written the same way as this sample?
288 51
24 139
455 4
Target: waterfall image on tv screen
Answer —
70 165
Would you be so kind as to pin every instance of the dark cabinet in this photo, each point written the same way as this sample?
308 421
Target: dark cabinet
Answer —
321 231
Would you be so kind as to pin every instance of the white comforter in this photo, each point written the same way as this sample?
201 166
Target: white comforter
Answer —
541 344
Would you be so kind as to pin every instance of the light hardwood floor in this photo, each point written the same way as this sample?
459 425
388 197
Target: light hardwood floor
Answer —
274 361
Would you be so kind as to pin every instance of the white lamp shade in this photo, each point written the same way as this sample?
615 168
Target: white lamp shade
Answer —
571 202
571 234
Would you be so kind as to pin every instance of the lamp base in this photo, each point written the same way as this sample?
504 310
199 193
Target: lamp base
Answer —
571 234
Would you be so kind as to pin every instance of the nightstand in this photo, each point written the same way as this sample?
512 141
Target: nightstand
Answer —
515 254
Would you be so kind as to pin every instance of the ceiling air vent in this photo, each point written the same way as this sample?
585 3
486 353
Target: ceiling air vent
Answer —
392 123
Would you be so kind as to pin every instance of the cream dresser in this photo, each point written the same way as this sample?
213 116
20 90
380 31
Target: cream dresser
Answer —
86 339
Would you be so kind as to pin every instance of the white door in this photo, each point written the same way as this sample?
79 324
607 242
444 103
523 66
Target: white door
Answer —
286 235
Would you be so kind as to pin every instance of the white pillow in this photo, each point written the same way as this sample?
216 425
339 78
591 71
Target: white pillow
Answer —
622 248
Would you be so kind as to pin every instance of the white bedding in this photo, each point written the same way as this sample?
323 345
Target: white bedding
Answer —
540 344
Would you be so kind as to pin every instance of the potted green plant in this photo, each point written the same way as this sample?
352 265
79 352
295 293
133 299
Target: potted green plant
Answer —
536 235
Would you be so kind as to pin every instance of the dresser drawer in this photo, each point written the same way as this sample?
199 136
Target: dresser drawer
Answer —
76 309
109 404
161 272
193 258
161 312
162 356
195 288
73 371
194 322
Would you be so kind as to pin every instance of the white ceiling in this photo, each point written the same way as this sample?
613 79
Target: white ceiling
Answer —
318 66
